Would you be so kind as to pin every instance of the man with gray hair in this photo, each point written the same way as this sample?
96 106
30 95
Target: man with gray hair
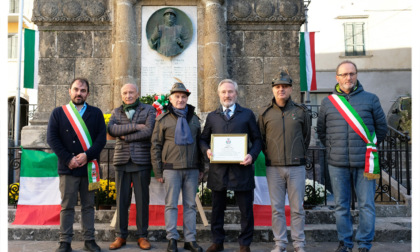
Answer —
231 118
132 124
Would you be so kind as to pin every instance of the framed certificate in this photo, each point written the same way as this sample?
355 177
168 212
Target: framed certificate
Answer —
228 148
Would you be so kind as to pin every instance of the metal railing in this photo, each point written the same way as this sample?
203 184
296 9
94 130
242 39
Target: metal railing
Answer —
395 163
394 155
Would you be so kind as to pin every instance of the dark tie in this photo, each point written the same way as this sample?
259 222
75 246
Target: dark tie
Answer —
227 113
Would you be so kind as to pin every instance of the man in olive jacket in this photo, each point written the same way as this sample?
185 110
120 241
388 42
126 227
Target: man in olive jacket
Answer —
286 131
177 163
231 118
132 123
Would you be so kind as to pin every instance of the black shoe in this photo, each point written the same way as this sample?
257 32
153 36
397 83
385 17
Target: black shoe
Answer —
342 248
64 247
91 246
172 246
363 250
193 246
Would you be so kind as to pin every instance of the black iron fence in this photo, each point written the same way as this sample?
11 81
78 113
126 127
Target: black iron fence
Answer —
395 177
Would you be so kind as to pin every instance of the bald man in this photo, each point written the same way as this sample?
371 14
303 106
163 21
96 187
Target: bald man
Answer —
132 124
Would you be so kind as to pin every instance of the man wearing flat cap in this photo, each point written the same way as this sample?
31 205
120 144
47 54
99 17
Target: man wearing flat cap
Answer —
169 39
177 162
286 131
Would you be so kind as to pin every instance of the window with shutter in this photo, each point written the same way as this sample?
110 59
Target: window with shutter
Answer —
354 39
12 43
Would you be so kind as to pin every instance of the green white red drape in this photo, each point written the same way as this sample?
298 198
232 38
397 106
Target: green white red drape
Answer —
307 61
262 203
39 194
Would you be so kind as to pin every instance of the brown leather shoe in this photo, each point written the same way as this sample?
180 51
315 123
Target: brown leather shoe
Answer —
215 247
143 243
244 249
118 243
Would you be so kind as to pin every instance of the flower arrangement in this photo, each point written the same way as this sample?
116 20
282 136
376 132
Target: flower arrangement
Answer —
107 193
204 194
13 193
160 102
106 118
314 195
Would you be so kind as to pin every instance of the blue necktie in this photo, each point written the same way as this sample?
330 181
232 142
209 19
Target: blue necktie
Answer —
227 113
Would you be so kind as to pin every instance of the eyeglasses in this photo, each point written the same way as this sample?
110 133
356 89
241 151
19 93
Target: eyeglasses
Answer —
347 74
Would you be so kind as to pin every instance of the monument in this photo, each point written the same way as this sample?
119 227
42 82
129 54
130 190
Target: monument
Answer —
109 43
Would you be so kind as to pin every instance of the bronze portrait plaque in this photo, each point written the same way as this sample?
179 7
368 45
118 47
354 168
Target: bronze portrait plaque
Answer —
169 31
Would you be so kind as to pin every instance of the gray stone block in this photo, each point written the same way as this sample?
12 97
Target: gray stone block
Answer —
53 71
96 70
102 47
74 44
246 70
47 44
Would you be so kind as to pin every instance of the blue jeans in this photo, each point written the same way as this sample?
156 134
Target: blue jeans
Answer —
290 180
185 180
365 193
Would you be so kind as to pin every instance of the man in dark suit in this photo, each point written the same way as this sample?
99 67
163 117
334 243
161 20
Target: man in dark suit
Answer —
231 118
73 160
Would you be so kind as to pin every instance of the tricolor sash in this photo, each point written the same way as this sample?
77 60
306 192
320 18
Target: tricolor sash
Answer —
82 133
357 124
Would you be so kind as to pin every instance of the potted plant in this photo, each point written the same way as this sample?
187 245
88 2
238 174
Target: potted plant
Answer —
314 195
106 118
106 195
13 193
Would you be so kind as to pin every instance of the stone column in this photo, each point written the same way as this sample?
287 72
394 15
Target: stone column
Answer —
124 55
215 64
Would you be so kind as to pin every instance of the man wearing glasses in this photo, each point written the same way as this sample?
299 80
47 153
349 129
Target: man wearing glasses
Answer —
351 123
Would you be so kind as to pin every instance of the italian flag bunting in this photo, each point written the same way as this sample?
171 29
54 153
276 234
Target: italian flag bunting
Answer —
262 203
30 74
39 194
307 61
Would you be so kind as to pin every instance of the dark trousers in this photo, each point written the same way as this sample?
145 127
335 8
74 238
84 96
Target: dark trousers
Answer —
244 199
141 181
70 187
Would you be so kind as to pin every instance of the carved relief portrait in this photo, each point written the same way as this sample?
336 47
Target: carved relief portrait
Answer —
169 31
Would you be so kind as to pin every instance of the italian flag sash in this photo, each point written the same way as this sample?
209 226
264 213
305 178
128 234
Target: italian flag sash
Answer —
82 133
357 124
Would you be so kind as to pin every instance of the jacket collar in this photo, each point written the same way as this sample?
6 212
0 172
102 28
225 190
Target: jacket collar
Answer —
139 107
238 108
190 112
288 104
357 89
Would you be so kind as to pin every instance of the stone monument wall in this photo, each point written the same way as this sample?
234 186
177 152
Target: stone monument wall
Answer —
263 38
246 40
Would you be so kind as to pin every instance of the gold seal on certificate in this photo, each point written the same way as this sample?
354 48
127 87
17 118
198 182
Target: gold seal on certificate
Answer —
228 148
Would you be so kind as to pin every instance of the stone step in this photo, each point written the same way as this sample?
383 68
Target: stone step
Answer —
317 215
388 229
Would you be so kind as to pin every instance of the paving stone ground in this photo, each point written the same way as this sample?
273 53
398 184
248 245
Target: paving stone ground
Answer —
40 246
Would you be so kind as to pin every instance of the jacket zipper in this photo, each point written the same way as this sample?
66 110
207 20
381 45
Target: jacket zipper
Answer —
284 138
